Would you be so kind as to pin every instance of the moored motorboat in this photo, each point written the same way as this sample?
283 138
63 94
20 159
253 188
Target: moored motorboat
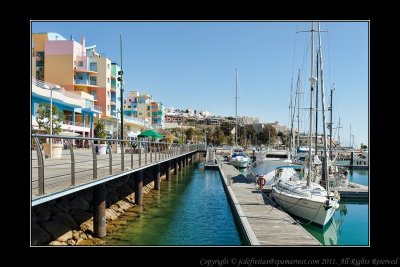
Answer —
265 164
238 158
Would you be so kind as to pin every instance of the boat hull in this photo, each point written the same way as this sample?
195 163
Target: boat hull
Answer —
240 163
317 213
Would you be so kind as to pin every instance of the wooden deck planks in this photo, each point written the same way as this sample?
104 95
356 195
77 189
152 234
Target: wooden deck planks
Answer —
270 225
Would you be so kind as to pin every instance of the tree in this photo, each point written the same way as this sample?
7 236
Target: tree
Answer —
363 146
100 130
43 118
218 137
227 128
267 134
189 133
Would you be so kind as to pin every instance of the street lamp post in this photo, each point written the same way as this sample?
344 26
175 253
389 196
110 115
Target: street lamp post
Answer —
51 114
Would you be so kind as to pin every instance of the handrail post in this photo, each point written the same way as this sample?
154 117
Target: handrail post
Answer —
145 153
71 149
140 154
159 152
122 156
131 150
151 153
41 166
94 161
109 157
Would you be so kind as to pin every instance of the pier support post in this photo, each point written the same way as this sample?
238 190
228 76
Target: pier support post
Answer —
139 188
99 210
176 166
157 180
184 161
351 158
180 163
169 170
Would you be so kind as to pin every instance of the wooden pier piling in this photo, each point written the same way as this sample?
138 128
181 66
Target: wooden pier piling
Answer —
157 180
139 188
99 210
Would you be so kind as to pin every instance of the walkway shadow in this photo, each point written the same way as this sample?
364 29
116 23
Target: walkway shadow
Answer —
240 179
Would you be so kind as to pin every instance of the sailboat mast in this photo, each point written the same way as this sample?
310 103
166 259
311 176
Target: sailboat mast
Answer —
312 80
291 117
298 110
316 107
236 107
331 124
325 162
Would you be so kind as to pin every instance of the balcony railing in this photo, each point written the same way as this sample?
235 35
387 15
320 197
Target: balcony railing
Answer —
85 82
41 84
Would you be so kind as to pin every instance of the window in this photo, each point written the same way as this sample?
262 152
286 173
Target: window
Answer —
108 80
108 66
93 80
93 66
80 63
130 100
108 107
148 107
108 93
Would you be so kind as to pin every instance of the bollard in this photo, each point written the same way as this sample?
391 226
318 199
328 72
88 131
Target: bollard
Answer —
99 210
229 179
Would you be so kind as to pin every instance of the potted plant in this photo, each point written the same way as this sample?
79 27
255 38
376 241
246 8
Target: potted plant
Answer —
100 132
43 120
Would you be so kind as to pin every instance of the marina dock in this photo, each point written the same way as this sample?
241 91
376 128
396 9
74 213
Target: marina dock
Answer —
261 221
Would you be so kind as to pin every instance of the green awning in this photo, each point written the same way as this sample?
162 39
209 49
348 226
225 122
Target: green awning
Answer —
150 133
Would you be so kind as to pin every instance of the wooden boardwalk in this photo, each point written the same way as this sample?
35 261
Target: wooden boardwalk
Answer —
262 222
57 172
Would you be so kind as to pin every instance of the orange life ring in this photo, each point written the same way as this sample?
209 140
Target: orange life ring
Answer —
261 181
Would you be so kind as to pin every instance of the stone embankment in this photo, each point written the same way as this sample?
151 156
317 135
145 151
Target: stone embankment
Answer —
69 220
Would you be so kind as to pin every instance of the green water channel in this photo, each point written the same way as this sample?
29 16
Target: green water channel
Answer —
189 210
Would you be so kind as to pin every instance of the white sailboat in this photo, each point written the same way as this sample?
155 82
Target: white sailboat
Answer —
306 199
238 158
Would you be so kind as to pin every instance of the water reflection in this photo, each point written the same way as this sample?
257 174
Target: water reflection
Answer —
192 210
326 236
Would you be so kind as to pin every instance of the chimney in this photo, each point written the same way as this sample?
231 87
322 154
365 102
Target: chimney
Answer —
83 46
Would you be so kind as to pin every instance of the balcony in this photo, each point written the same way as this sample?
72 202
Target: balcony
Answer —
85 83
83 69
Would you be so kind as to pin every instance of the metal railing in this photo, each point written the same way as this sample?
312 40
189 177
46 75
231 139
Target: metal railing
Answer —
41 84
75 166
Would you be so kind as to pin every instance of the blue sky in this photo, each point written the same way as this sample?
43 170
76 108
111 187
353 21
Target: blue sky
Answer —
192 65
